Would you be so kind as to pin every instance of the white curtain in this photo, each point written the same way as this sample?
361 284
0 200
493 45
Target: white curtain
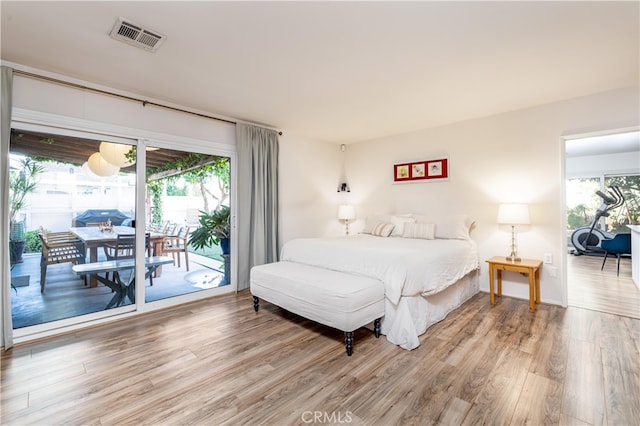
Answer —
257 209
5 124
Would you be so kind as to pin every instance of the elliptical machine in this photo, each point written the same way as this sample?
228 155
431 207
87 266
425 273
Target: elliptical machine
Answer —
587 239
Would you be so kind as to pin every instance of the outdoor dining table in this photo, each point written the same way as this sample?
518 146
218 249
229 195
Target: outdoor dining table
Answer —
93 238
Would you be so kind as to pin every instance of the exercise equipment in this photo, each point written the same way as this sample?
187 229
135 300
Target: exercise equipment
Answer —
587 239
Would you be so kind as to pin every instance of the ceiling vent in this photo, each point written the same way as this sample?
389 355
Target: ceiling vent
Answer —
136 35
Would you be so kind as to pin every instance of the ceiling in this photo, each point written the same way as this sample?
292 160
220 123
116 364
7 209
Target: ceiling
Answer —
337 71
620 143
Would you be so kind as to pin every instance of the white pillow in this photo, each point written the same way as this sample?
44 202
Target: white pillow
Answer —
399 223
371 221
382 229
425 231
449 227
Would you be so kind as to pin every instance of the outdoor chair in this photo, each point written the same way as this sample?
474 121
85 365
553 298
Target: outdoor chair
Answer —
618 245
170 229
124 248
158 227
177 244
59 247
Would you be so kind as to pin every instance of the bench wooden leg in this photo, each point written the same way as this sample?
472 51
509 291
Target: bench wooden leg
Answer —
43 274
376 327
348 340
256 303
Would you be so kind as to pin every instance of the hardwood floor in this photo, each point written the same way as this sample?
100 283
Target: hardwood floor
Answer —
218 362
604 291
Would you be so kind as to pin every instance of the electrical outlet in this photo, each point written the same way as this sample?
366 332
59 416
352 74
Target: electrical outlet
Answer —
548 258
552 270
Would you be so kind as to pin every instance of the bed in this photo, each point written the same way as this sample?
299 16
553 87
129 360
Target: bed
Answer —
428 267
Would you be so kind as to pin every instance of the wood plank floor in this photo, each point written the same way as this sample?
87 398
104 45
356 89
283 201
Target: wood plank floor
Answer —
604 291
218 362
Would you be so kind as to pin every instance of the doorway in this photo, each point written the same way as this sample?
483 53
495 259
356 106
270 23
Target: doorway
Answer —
601 163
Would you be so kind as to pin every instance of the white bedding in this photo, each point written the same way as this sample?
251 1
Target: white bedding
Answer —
403 323
406 266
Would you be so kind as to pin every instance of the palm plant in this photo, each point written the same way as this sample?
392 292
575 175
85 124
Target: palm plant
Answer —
214 229
21 183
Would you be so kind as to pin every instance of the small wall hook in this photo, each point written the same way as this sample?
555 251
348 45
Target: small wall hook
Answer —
343 187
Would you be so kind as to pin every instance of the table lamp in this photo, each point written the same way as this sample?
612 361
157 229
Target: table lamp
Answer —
513 214
346 213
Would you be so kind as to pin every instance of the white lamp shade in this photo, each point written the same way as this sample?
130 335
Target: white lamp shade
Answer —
116 153
99 166
346 212
88 173
513 214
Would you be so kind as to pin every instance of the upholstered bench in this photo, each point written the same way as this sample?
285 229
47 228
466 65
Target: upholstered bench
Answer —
335 299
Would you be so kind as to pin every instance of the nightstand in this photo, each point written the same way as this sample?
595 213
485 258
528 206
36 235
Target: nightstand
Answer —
526 266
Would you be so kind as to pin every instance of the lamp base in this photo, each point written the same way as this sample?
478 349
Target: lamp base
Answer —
513 258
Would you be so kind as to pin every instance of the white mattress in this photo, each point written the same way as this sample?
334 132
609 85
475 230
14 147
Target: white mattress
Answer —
406 266
338 300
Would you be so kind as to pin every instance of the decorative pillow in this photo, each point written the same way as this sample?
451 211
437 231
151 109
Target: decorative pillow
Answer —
399 222
383 229
449 227
425 231
371 221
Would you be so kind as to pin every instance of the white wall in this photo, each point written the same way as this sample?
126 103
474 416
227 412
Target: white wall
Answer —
309 173
511 157
607 164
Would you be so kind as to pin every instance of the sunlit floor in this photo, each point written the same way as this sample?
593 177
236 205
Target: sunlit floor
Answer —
66 295
602 290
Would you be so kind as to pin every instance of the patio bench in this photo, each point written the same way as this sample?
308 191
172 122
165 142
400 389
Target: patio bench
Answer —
122 288
59 247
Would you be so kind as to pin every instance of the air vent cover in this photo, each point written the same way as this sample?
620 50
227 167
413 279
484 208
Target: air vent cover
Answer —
136 35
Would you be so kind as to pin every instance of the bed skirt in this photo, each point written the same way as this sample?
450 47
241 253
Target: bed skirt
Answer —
413 315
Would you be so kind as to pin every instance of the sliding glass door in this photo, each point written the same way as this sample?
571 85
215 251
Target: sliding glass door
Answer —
102 226
187 202
68 207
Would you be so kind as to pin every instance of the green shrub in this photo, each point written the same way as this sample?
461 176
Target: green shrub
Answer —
32 242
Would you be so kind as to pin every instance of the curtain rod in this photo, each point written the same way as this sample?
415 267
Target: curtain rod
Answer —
117 95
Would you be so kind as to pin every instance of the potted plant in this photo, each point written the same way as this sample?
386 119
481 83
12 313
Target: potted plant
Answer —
214 229
21 183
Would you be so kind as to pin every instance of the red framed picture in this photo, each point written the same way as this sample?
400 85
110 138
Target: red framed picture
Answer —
421 170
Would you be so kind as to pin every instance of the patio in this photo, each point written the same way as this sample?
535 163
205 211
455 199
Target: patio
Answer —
67 296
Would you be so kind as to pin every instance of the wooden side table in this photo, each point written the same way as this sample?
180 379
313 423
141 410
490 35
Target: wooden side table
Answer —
527 266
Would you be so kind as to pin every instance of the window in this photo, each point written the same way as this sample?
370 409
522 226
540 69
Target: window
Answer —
582 201
629 212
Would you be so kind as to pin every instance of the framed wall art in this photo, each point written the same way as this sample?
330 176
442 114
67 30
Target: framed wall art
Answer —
427 170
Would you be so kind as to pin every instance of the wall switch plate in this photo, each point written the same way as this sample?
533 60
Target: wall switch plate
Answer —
548 258
553 271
